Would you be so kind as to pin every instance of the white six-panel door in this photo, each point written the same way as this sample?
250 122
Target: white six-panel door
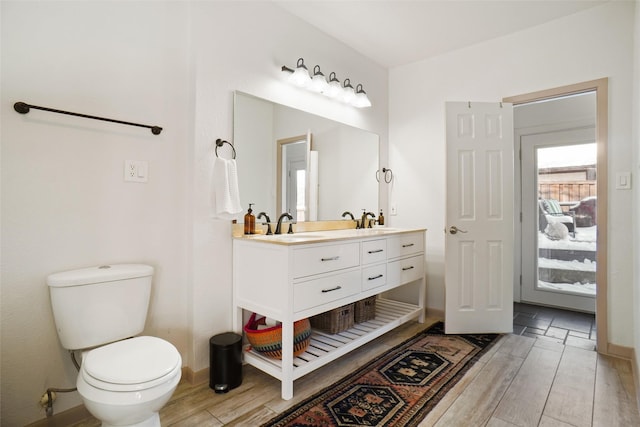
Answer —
479 218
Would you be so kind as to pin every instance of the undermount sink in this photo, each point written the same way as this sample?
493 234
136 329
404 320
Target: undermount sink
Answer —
300 237
377 230
322 236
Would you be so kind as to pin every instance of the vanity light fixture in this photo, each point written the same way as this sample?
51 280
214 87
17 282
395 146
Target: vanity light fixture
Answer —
331 88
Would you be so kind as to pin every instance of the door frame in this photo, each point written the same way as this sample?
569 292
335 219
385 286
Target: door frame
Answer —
600 87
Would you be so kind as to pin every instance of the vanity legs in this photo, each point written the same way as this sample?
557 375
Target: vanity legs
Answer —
287 360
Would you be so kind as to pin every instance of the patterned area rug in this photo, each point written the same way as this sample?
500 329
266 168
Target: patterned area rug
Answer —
397 389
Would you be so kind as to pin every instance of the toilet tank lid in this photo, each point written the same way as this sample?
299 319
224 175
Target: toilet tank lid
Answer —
98 274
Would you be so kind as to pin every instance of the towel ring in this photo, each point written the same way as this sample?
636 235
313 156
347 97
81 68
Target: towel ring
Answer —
387 177
220 143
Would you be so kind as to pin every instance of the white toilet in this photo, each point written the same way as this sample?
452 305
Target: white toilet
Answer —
123 381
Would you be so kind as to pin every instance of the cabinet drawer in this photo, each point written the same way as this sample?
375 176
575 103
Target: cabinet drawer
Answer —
374 276
405 270
322 259
374 251
321 291
405 244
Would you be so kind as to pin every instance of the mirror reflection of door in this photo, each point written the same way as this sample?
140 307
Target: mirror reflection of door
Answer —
292 176
296 193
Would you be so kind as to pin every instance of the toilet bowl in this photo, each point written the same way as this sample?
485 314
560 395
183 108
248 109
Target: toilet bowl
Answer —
127 382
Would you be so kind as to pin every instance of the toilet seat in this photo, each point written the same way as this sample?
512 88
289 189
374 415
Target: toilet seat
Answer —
131 365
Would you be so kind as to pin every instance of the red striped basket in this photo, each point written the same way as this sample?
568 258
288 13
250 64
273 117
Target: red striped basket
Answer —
269 341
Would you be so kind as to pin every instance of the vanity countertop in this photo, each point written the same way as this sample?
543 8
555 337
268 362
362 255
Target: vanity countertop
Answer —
307 237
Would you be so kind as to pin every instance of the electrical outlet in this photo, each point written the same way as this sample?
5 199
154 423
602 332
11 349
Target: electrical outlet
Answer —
136 171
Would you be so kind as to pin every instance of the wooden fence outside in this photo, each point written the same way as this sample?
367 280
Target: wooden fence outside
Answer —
567 193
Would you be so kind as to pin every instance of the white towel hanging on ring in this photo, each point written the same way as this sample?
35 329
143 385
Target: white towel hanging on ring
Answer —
225 198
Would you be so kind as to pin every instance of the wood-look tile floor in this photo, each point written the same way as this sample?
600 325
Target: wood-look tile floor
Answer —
521 381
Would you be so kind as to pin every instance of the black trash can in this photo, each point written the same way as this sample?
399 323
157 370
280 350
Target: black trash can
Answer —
225 362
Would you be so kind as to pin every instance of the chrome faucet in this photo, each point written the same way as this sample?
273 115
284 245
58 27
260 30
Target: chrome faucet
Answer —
364 220
279 225
268 223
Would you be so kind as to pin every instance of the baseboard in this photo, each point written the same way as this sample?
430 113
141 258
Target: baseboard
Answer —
636 378
620 351
64 418
79 413
195 378
435 313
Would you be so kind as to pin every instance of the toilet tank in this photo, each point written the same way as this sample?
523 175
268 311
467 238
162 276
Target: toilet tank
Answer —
98 305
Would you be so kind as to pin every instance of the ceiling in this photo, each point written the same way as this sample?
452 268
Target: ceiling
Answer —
398 32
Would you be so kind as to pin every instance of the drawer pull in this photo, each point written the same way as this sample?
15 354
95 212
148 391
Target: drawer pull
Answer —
407 268
376 251
375 277
408 245
324 291
333 258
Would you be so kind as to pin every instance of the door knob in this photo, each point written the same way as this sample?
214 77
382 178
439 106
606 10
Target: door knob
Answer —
453 230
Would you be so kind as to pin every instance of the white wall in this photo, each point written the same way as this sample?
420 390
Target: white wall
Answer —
64 202
586 46
263 39
636 187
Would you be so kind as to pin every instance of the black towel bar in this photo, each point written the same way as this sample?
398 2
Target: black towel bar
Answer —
23 108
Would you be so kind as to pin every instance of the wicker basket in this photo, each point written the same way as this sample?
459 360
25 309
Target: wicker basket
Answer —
365 309
269 341
334 321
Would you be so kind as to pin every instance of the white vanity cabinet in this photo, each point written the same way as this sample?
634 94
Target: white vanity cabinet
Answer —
288 278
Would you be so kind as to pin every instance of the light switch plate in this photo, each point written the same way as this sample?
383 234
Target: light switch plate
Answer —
623 181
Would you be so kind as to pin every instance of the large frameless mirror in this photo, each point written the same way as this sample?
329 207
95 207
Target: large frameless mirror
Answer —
309 166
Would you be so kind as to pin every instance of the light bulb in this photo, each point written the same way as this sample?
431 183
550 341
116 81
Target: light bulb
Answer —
348 94
361 100
300 76
318 82
334 89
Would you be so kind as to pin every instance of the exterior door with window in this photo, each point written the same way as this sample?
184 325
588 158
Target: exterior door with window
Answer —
558 175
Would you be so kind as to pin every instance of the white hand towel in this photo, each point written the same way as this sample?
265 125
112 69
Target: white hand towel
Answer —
226 196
